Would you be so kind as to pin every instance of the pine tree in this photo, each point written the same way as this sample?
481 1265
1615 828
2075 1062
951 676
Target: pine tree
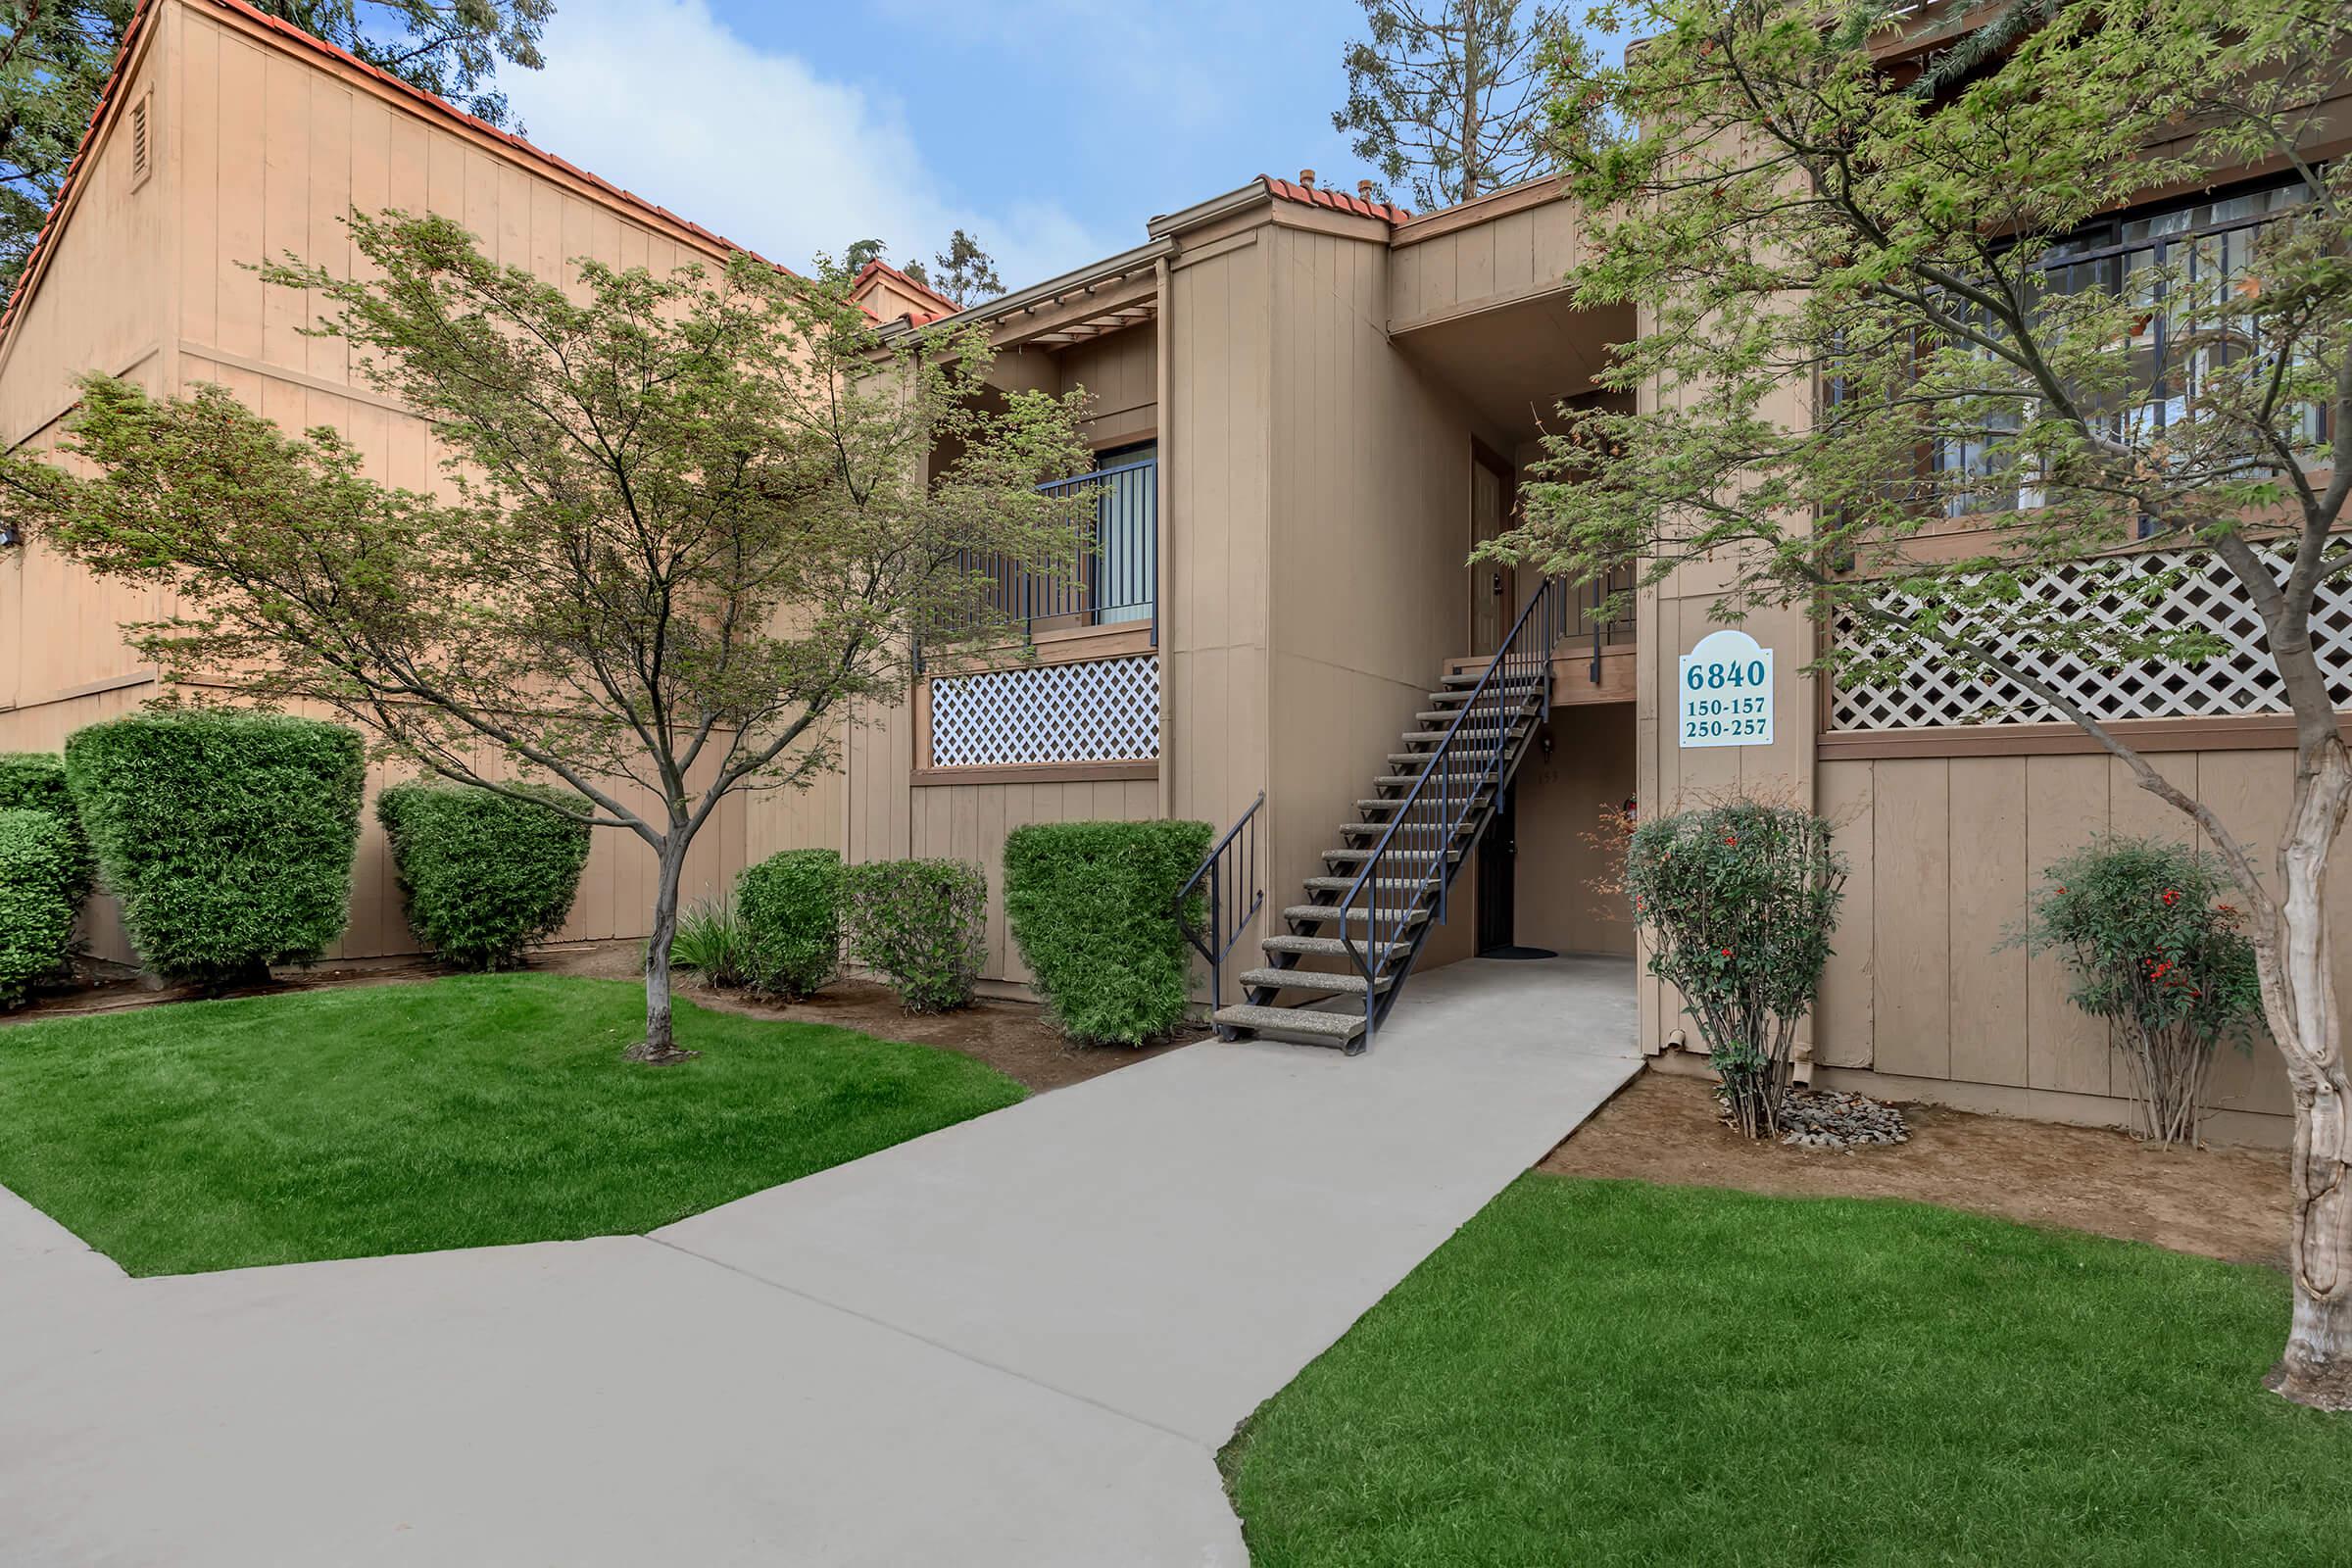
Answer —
1447 98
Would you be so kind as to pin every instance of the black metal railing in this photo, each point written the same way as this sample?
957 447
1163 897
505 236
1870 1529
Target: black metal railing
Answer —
1114 579
1209 907
1417 853
1617 629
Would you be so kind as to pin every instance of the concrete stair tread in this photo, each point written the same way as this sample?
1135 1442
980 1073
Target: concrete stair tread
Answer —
1338 1027
1325 914
1323 980
1395 852
1365 830
1520 714
1469 678
1329 948
1340 884
1391 802
1473 763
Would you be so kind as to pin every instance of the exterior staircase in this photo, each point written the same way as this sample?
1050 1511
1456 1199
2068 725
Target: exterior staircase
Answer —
1350 945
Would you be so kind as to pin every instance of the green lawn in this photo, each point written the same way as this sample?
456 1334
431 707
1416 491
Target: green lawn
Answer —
460 1112
1609 1372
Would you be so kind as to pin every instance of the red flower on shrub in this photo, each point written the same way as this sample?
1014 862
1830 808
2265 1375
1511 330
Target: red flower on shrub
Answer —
1726 953
2171 897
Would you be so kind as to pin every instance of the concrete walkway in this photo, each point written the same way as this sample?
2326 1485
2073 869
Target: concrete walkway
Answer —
1017 1341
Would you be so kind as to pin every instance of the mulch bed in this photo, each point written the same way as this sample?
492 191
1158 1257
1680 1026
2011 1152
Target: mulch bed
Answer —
2224 1203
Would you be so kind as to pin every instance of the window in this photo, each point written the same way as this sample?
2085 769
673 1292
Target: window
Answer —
2181 260
1123 577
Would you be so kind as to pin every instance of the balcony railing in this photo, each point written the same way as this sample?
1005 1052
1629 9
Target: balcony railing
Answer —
1114 582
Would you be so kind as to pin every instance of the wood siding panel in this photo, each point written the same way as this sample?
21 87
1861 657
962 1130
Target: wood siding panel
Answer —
1911 851
2066 806
1988 880
1841 1029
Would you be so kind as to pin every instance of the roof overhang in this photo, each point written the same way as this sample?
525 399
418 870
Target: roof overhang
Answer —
1118 291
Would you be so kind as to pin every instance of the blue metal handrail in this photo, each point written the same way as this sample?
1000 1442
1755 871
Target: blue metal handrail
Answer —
1475 749
1215 937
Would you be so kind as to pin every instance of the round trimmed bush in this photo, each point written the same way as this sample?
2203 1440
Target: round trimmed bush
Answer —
226 836
485 874
41 883
921 924
790 905
1092 905
35 781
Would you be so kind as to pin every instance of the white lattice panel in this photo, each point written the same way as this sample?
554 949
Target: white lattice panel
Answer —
1101 711
1934 691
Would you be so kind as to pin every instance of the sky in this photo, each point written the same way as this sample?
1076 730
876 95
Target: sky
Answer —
1052 129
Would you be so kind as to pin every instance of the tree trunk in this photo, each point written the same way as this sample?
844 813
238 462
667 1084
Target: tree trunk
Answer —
1470 106
2299 1002
660 1046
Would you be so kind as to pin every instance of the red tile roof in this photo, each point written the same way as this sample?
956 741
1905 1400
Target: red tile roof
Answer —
1316 196
882 268
439 108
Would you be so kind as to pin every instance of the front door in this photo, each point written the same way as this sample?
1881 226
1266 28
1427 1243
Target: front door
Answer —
1490 607
1497 881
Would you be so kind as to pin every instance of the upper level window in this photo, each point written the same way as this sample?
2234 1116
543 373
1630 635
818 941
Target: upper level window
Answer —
2179 259
1126 533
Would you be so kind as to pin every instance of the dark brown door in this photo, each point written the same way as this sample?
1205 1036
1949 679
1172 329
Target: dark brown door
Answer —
1498 878
1490 607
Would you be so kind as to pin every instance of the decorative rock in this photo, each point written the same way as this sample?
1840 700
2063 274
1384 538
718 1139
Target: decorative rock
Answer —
1820 1118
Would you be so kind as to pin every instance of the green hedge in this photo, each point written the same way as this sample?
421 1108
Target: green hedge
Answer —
42 878
922 925
1091 907
791 907
35 781
227 837
485 875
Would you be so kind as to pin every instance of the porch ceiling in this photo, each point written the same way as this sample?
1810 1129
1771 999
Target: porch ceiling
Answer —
1513 364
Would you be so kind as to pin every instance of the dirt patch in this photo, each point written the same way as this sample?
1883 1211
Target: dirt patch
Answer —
2225 1204
1012 1037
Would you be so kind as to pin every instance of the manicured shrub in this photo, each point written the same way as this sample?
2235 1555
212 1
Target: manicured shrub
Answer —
713 941
35 781
921 924
41 884
226 836
1092 905
485 874
791 910
2154 945
1740 900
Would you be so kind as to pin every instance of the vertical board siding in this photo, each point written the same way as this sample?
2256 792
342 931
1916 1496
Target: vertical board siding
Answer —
1217 458
1927 982
264 152
1369 530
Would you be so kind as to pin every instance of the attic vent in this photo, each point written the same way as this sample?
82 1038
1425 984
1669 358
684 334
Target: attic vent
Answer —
142 144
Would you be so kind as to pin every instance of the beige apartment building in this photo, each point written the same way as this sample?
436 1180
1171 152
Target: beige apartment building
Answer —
1307 407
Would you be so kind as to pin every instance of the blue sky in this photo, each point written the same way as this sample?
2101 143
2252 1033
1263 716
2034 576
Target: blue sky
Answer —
1053 128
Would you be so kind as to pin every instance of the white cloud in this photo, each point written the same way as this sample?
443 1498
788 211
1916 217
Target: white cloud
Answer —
659 97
